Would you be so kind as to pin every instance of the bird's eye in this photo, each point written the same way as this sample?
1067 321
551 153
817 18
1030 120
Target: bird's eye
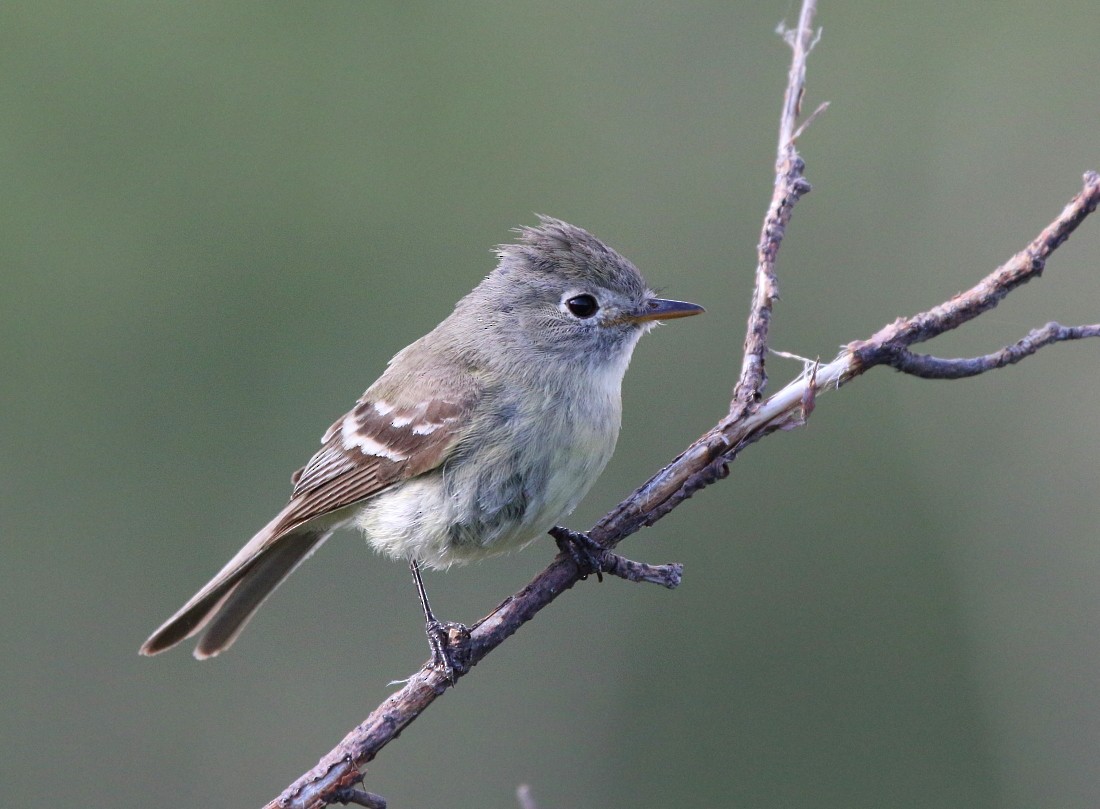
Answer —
583 306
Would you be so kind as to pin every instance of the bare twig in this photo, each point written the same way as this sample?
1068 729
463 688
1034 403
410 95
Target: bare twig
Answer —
991 290
706 460
928 367
790 185
358 797
665 575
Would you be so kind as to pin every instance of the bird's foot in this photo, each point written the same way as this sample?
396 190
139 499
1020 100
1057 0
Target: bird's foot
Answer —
448 642
581 548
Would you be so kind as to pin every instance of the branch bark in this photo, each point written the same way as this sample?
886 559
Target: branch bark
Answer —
790 185
706 460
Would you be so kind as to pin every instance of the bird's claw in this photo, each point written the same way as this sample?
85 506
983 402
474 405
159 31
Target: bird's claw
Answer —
447 641
581 548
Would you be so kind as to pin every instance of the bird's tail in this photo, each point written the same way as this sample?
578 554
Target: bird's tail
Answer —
229 599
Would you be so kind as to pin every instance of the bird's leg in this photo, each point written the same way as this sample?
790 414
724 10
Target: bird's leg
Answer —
581 548
443 646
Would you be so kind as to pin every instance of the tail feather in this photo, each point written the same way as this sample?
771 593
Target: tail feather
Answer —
189 620
233 595
253 589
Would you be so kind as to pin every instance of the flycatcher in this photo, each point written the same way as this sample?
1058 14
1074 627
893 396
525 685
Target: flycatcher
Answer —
475 440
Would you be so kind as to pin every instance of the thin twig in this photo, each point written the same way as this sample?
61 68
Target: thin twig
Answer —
928 367
790 185
1029 263
665 575
359 797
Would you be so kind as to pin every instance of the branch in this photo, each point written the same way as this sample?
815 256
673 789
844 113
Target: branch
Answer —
790 185
1029 263
928 367
706 460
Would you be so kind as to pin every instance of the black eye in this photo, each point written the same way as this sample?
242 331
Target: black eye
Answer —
583 306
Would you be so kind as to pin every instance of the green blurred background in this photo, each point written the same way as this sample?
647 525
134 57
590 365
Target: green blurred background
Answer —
219 220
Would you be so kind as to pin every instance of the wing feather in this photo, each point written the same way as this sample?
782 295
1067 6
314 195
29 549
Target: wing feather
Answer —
370 449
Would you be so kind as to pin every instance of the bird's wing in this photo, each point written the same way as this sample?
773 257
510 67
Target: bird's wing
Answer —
370 449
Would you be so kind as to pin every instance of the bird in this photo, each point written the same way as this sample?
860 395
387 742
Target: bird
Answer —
476 439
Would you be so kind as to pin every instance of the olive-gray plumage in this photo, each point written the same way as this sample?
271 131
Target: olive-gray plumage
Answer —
476 439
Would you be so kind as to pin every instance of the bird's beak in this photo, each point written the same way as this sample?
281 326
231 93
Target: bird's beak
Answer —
659 309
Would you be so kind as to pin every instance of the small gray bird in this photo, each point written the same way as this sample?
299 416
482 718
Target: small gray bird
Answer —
476 439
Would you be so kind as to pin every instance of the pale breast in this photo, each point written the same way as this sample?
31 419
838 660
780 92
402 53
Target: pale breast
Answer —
529 470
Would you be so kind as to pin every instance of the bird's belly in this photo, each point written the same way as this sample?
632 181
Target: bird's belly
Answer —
470 511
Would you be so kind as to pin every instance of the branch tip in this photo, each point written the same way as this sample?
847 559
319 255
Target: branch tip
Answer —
926 366
359 797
